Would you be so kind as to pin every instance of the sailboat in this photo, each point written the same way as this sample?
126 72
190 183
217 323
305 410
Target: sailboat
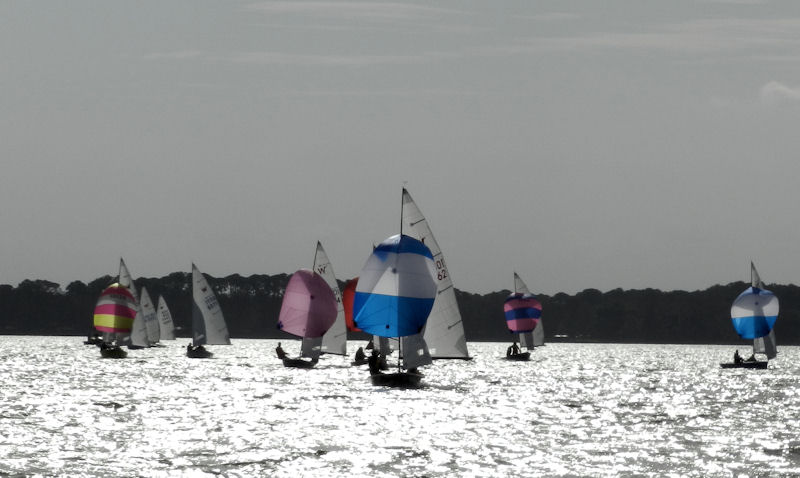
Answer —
208 323
444 332
166 325
308 310
536 338
113 317
395 294
522 312
335 339
754 313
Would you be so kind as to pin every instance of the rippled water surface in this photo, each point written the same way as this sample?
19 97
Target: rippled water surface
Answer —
574 409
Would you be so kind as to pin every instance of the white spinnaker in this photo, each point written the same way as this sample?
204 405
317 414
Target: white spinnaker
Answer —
208 323
165 323
335 339
444 331
148 312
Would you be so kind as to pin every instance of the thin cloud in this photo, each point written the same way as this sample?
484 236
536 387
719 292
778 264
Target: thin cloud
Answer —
269 58
775 93
174 55
361 10
692 37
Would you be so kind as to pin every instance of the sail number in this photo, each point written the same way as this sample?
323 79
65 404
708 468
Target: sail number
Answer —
441 269
211 302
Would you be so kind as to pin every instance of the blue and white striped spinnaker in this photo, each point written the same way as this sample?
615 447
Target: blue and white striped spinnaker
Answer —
754 313
396 288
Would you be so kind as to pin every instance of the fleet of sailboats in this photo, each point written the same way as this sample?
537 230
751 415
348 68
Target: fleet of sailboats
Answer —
404 297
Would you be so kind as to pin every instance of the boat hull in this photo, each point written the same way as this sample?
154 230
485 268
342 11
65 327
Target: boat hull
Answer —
398 379
759 365
298 363
520 357
363 361
113 352
199 353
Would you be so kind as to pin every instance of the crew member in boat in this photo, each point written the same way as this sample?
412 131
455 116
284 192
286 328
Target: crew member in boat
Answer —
280 352
736 357
374 369
360 355
512 350
752 358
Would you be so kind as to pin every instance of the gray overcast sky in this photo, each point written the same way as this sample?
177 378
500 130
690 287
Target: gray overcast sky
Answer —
583 144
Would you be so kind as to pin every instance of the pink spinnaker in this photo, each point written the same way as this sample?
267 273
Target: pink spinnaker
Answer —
309 307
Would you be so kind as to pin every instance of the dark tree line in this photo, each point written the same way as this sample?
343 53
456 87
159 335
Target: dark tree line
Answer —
251 306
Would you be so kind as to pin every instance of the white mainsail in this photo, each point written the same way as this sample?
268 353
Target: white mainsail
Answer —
444 331
335 339
148 313
126 280
208 323
138 334
762 345
166 325
529 339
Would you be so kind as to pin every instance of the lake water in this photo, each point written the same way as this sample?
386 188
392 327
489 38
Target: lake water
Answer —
573 410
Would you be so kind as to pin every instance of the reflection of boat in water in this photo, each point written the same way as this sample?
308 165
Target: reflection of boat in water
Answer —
113 317
208 323
754 313
308 310
93 339
522 312
395 293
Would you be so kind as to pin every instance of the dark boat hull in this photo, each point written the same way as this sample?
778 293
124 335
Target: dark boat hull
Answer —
298 363
113 352
363 361
520 357
199 353
760 365
398 379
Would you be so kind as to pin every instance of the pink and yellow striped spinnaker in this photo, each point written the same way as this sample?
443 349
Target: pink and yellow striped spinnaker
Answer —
115 310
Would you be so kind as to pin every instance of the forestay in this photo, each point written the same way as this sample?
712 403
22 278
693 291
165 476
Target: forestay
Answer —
444 332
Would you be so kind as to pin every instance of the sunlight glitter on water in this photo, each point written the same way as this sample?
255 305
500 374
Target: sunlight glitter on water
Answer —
574 409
